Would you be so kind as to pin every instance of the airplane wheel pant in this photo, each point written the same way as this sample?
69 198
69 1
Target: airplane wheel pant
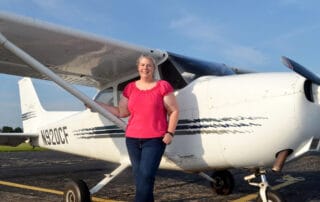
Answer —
145 156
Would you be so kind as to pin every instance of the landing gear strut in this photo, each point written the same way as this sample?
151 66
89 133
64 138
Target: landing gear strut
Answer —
265 193
77 190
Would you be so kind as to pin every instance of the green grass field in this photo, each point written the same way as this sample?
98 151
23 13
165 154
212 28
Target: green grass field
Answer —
21 147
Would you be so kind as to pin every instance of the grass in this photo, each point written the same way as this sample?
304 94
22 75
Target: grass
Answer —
21 147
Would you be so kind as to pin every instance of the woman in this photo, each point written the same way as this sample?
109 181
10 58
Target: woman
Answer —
153 115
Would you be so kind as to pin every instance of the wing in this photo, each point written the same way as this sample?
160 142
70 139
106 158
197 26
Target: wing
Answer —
14 139
79 58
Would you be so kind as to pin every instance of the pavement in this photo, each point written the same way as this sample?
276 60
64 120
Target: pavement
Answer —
41 176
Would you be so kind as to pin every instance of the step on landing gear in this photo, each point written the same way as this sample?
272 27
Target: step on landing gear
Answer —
266 194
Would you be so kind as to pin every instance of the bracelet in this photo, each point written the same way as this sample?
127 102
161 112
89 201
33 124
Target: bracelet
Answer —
170 133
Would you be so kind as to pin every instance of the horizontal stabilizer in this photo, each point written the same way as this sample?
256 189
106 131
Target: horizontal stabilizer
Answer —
14 139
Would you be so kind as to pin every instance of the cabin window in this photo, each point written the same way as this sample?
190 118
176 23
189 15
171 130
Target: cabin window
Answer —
122 85
105 96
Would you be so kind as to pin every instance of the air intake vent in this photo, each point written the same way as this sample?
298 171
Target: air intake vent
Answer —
308 90
314 144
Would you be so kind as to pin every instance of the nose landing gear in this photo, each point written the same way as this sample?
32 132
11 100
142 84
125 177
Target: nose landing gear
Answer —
265 192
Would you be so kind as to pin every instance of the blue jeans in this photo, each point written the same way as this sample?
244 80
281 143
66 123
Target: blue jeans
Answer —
145 156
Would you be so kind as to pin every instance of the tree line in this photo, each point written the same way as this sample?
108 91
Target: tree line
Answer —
8 129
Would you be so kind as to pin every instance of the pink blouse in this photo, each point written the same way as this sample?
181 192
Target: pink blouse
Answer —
148 115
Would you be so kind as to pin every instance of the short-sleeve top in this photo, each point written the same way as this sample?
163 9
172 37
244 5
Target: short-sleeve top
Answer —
148 115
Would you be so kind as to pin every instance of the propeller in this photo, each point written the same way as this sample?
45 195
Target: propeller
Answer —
300 70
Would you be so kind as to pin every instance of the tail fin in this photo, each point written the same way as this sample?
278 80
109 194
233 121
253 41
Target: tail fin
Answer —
31 108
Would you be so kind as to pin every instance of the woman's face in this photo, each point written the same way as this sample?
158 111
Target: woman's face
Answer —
145 68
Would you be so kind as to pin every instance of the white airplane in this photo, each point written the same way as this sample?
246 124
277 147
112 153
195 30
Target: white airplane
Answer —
229 118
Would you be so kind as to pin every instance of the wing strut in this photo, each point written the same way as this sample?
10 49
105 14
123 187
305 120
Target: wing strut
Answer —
58 80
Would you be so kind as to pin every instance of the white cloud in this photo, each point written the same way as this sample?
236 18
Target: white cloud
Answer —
195 28
48 4
243 55
212 38
305 6
295 33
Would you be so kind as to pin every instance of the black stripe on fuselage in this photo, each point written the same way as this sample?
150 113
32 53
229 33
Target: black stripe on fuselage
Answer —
225 125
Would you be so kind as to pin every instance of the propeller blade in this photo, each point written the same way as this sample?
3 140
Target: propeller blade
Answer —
300 70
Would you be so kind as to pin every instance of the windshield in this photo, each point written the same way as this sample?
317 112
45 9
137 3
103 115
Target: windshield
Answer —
180 70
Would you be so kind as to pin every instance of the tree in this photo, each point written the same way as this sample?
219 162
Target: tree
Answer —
18 130
7 129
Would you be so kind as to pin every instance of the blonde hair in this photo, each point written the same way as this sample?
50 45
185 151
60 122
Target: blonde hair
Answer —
147 57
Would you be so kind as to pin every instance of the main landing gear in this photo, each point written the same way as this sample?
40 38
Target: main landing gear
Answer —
222 181
77 190
265 193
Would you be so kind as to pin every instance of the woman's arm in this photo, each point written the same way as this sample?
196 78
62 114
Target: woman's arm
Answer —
120 111
123 107
172 108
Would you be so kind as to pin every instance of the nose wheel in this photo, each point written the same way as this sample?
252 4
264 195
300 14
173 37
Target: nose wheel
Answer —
272 196
265 193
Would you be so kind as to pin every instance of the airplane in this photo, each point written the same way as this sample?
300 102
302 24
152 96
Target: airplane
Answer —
229 117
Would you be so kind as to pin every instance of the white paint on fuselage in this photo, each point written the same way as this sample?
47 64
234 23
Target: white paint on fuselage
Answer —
231 121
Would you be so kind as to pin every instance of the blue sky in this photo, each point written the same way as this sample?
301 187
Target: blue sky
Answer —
251 34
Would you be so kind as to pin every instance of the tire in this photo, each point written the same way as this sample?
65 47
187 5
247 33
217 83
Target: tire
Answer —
224 182
272 196
76 191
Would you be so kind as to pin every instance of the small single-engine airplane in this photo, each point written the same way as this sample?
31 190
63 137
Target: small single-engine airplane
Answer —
229 118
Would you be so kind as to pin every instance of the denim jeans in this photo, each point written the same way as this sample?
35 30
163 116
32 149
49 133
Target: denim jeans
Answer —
145 156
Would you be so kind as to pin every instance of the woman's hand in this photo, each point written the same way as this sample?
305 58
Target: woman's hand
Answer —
167 138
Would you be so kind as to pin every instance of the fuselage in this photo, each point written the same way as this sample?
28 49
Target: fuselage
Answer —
225 122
